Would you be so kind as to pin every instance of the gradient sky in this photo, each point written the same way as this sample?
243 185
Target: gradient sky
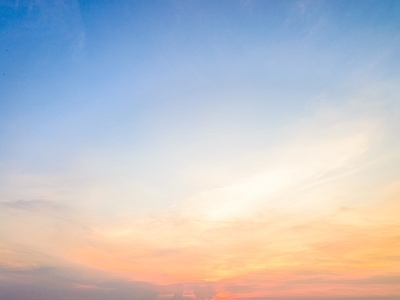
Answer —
199 149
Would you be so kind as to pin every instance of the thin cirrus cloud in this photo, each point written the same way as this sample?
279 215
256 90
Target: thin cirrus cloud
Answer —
189 150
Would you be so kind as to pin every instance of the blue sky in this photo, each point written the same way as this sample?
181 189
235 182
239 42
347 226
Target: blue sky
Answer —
91 71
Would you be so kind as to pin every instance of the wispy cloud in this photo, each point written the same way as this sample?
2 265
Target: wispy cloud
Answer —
30 205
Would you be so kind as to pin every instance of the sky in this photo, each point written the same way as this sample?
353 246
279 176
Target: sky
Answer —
199 150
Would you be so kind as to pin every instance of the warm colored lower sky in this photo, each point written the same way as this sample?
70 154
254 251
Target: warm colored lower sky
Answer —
199 150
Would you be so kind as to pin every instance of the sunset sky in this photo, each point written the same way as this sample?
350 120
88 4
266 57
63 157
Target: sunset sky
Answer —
199 150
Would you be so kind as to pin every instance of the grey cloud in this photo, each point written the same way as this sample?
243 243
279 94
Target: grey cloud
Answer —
30 205
48 283
51 283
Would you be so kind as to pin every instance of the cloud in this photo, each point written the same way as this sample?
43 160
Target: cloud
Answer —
304 203
285 219
166 295
30 205
66 283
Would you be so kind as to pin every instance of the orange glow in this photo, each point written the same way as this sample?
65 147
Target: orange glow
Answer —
328 257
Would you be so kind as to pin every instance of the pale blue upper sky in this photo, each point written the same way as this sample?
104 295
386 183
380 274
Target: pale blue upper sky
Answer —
92 74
